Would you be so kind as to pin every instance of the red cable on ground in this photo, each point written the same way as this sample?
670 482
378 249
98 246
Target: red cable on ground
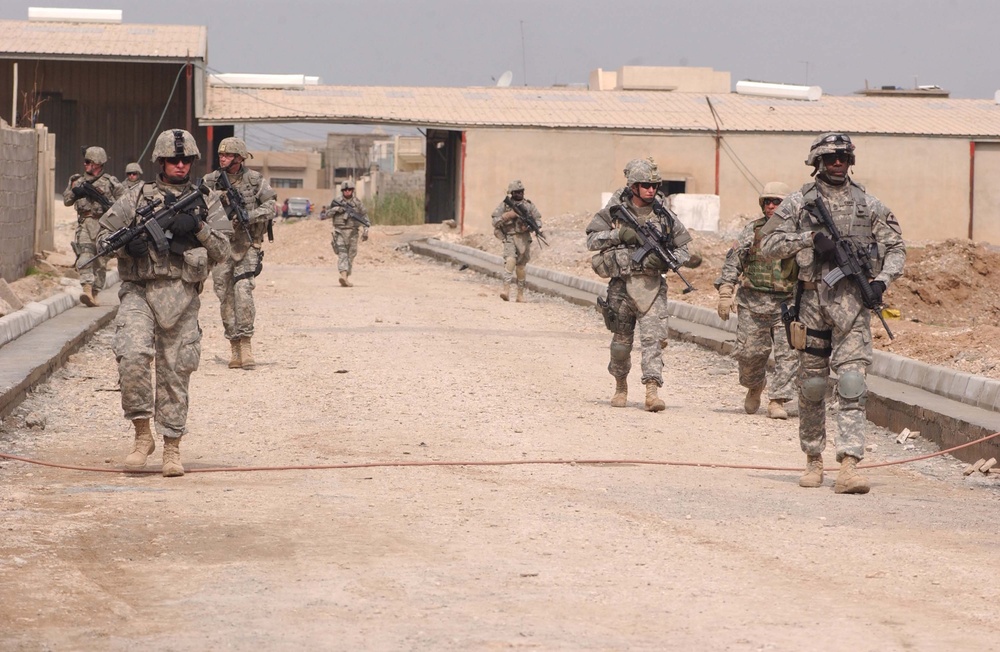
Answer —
369 465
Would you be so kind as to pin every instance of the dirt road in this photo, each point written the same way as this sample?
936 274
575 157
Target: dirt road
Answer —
421 362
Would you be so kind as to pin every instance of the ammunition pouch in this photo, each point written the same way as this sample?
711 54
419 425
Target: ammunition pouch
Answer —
195 268
615 262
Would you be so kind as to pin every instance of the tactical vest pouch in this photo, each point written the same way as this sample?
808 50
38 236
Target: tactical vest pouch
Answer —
195 269
612 263
797 335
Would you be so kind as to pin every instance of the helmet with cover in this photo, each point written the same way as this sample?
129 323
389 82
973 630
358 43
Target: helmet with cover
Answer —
95 155
133 167
645 171
233 145
347 185
830 143
774 190
174 142
515 186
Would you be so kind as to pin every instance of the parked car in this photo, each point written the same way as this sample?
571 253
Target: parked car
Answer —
297 207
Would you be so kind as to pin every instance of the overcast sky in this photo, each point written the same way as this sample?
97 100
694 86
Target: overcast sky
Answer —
837 46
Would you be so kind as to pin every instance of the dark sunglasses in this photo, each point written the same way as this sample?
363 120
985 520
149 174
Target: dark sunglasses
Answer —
648 184
837 156
132 174
177 160
772 200
88 161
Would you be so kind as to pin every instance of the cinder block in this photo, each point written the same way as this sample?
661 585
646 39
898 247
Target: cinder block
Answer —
956 390
973 390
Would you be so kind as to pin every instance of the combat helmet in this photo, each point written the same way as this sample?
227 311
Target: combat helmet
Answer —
133 167
347 185
774 190
515 186
645 171
174 142
233 145
830 143
95 154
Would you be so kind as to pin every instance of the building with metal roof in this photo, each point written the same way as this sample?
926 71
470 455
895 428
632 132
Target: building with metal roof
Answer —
102 83
933 160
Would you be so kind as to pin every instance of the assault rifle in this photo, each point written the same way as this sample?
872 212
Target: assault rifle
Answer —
851 263
351 213
87 189
236 202
151 225
528 220
651 242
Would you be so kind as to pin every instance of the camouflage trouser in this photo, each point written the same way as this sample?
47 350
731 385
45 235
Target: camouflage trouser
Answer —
756 335
852 351
139 340
236 297
652 333
345 244
516 254
85 246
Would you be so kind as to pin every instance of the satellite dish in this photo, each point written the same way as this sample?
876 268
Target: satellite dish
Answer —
505 79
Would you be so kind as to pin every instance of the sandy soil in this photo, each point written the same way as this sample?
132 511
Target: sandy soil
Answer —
422 363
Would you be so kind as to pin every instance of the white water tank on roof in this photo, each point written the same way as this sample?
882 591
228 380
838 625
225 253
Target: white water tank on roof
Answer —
783 91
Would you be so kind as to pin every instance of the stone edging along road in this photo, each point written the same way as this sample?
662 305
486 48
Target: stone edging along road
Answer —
947 406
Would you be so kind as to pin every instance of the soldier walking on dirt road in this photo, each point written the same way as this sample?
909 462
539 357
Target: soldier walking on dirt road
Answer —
515 234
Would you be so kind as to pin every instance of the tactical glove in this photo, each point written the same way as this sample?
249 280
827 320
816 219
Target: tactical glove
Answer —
726 303
824 246
878 288
78 192
626 235
137 247
655 263
184 223
364 235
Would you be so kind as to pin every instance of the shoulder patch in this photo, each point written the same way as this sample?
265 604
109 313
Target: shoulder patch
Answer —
893 223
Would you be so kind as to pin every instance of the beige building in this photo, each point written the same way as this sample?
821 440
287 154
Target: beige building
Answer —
934 161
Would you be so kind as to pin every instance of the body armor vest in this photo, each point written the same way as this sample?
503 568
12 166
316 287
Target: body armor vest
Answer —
773 276
851 214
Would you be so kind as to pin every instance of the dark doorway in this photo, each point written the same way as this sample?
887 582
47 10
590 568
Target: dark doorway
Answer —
54 110
669 187
444 173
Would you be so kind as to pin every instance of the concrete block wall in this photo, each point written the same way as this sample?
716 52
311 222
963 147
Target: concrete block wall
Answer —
18 181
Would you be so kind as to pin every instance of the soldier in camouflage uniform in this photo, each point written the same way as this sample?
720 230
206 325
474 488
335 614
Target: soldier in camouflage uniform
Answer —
516 238
157 321
764 286
345 231
88 212
133 175
234 279
637 294
838 326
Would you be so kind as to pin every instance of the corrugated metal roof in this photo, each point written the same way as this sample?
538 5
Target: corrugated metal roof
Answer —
567 108
101 41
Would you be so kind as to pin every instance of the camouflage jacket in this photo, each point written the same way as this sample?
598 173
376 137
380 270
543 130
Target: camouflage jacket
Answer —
107 184
258 199
502 228
210 245
339 214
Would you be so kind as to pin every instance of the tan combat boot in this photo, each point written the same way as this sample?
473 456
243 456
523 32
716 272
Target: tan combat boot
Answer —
144 445
172 457
234 360
752 401
505 292
849 481
246 354
621 392
520 293
813 477
343 280
653 402
87 298
776 409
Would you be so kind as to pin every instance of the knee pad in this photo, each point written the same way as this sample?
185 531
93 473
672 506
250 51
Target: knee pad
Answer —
620 351
851 385
813 389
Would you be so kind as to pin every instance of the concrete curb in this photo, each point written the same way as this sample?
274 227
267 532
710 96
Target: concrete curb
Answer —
18 323
946 406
